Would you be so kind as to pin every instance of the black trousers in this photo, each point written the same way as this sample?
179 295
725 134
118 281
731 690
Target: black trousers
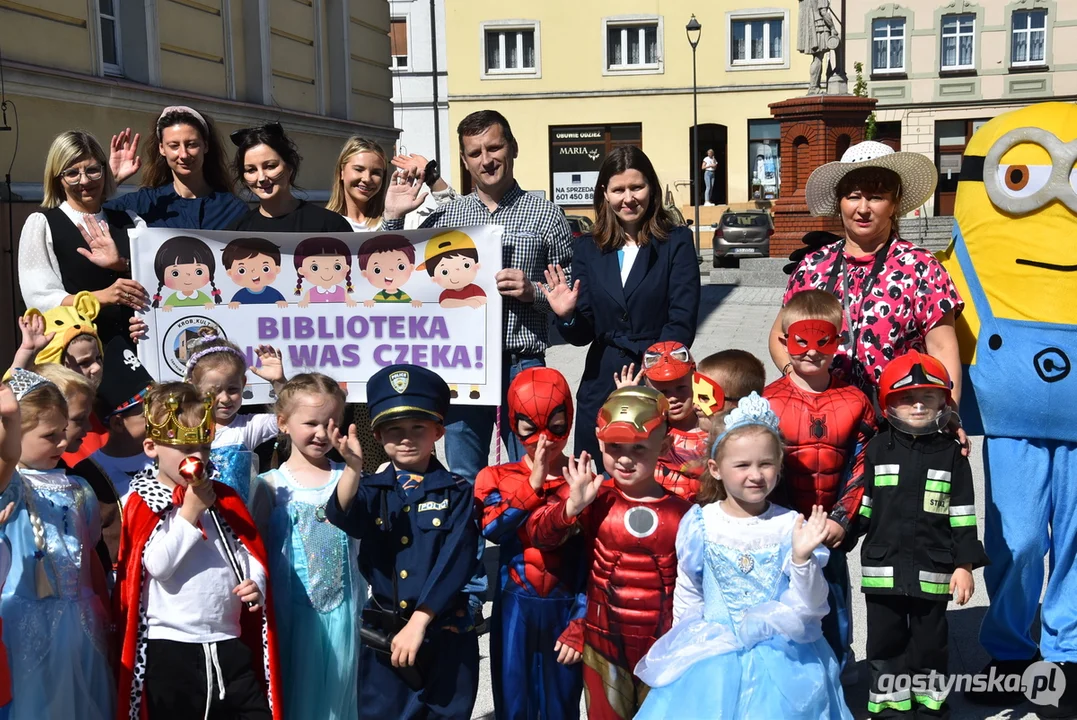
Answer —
907 640
178 680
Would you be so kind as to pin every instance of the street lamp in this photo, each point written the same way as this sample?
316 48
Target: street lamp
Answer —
693 30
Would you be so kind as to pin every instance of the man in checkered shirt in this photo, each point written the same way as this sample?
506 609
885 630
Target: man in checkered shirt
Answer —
536 235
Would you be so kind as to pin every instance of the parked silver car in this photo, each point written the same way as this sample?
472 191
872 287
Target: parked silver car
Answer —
741 234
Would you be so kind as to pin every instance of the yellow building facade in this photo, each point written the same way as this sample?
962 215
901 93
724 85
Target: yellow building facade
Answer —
576 79
319 67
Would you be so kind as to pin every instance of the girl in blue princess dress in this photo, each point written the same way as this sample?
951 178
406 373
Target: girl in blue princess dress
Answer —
218 367
54 619
747 639
317 587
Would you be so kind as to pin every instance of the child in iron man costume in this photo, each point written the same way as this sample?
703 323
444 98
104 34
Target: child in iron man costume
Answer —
826 424
630 525
534 645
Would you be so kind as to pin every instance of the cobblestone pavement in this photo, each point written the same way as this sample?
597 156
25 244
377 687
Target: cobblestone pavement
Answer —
741 317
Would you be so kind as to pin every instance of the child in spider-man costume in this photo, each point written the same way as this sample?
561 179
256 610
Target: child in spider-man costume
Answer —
668 367
630 524
534 647
826 425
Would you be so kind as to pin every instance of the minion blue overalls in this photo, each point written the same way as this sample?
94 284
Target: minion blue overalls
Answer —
418 534
1027 398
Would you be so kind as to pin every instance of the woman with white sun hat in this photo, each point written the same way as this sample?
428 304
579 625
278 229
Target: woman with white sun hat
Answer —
896 297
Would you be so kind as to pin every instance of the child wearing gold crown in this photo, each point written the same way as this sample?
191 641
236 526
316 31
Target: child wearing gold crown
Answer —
54 619
193 611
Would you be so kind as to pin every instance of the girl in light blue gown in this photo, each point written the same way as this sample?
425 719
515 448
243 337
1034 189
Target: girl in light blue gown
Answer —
54 620
317 589
747 638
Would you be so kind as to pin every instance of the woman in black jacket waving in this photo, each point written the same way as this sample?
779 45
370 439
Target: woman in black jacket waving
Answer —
635 282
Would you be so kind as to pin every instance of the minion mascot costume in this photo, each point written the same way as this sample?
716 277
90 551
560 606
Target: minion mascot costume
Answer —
1014 261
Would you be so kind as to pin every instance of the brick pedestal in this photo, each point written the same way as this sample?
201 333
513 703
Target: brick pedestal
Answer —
816 129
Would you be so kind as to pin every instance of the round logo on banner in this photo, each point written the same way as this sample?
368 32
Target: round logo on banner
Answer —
181 340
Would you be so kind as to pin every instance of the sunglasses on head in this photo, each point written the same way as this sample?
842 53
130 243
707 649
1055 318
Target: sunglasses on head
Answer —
239 137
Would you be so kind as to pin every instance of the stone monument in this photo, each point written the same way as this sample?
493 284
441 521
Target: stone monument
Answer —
816 128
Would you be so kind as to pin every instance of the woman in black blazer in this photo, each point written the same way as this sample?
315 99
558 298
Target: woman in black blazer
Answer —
635 283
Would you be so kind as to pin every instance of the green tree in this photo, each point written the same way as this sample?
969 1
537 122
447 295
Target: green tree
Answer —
860 89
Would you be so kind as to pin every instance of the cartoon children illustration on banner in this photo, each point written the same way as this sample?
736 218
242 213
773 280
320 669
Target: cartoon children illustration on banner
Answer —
452 261
451 323
387 262
185 265
325 263
253 263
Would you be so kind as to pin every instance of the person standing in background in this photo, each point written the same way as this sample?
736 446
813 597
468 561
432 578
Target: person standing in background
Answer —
636 282
55 259
536 235
185 184
710 165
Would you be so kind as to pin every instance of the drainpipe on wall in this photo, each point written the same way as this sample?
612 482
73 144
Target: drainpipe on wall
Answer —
434 72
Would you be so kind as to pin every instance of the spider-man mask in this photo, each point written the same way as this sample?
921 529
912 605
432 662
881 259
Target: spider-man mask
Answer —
806 335
540 401
707 394
666 361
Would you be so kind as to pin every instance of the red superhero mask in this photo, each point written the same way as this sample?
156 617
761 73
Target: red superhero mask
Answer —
806 335
665 361
630 414
541 398
707 394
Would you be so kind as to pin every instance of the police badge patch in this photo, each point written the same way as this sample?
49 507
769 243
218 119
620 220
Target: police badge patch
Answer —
399 380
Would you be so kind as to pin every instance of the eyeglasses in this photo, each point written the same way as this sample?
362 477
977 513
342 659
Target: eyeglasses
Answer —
73 176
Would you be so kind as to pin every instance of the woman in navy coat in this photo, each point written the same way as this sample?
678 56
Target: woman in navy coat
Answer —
635 283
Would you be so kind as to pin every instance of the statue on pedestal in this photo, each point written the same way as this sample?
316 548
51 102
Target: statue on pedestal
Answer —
820 36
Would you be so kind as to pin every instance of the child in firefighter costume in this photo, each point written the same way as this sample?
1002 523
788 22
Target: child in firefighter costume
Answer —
630 525
747 641
918 515
191 596
1013 259
534 645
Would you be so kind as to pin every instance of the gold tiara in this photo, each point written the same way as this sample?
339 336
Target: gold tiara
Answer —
172 432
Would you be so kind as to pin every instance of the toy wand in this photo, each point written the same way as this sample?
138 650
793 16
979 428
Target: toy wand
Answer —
193 470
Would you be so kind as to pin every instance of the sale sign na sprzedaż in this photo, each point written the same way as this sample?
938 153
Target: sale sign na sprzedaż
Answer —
342 304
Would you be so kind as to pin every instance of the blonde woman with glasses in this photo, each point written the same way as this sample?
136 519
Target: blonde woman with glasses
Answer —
362 180
74 244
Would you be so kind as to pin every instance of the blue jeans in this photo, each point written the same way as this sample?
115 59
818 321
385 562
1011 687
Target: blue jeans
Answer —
708 185
468 430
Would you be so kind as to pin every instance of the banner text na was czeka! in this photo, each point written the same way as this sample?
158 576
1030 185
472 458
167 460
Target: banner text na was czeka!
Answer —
343 304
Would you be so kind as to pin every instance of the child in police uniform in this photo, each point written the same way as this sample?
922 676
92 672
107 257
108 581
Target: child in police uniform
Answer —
919 516
418 529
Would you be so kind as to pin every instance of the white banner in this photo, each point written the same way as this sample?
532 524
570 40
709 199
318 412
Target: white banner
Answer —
343 304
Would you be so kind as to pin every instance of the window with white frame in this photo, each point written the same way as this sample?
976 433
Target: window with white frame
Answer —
958 42
398 43
510 50
108 15
888 45
1029 43
633 46
756 40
